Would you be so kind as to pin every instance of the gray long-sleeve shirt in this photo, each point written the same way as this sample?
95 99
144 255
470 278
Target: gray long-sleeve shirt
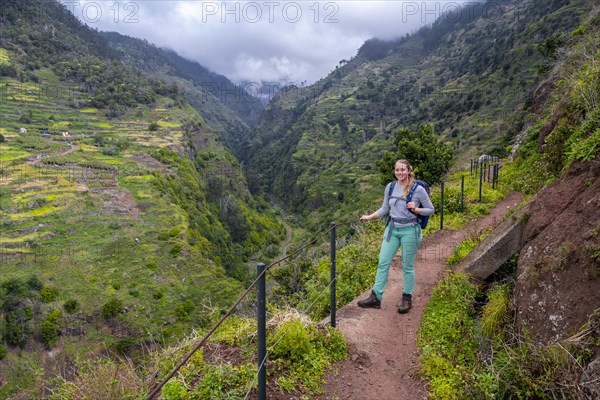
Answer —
395 204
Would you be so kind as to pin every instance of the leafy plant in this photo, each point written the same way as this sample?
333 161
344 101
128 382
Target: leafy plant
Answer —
305 353
429 156
174 390
123 345
496 313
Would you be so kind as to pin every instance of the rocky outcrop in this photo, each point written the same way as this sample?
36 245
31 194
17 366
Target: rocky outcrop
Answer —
558 272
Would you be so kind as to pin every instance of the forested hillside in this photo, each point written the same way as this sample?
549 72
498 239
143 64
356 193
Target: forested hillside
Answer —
122 214
470 75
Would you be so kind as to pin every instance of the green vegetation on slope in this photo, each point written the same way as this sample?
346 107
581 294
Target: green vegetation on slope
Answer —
299 352
114 194
482 354
566 127
469 350
470 77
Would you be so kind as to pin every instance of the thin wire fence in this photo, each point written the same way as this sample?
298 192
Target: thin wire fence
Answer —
229 312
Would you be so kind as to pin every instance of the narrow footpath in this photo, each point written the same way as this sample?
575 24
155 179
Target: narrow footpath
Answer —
383 360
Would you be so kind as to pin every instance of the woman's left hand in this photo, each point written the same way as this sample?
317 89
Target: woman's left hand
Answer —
411 206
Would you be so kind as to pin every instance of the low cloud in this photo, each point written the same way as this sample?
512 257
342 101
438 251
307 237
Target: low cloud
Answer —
293 41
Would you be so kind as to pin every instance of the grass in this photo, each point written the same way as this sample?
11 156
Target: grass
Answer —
20 239
8 154
446 338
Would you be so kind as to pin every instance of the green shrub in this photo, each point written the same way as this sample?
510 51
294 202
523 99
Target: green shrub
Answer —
304 352
3 352
48 294
176 249
174 390
71 306
224 382
35 283
27 313
112 308
123 345
15 332
294 341
49 332
15 287
184 309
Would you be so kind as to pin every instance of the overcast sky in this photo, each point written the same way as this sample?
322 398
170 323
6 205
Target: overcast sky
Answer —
274 41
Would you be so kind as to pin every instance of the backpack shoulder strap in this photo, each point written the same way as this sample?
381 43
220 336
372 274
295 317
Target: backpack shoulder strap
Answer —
391 189
412 191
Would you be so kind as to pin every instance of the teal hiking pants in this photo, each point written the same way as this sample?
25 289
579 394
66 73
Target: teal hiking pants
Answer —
410 238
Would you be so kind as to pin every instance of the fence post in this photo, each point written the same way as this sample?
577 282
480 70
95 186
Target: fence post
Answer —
485 171
480 182
498 174
462 193
262 332
442 208
332 287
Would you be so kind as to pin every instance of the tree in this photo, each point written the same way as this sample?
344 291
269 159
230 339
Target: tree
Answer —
429 157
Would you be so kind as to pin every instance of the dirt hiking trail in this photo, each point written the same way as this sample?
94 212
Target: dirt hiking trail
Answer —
383 361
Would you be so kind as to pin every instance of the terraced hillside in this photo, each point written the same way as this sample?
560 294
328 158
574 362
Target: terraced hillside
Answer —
123 222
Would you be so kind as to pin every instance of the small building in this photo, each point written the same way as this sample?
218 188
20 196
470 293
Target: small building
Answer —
22 130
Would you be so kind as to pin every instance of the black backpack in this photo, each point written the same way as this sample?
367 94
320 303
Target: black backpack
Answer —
422 220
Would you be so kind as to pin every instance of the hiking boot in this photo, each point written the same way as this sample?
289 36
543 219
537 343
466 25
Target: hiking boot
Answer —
406 303
370 302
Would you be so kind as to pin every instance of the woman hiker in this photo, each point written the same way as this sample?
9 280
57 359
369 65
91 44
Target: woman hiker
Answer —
401 230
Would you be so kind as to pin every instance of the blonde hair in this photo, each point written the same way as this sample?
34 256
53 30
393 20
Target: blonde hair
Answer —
411 176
